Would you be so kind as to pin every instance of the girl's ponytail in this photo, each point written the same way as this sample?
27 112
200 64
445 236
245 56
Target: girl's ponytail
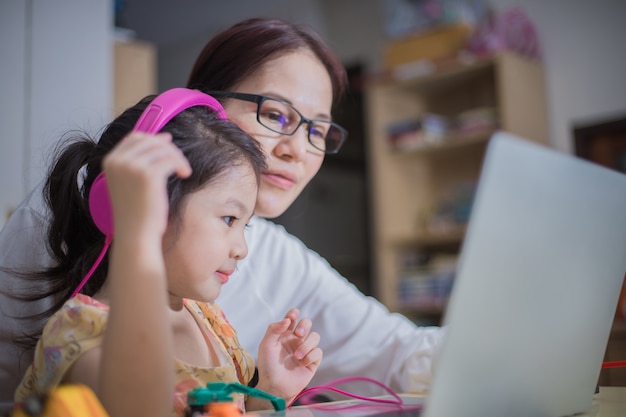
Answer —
74 242
63 192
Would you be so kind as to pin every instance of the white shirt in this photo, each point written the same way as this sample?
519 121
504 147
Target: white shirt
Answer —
22 245
359 336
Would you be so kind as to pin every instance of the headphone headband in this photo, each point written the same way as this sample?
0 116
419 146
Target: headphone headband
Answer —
168 104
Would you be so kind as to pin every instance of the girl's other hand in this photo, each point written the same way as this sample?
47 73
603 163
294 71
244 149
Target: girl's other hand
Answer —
288 356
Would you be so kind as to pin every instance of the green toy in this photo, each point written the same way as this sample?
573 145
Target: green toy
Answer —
199 397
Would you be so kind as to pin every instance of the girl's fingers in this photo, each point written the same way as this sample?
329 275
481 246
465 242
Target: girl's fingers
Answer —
153 154
275 330
314 357
137 169
293 315
308 345
135 143
303 327
137 146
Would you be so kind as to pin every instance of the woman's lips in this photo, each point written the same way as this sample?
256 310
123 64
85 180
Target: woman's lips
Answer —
282 180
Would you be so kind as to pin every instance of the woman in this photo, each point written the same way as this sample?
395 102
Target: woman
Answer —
273 77
269 60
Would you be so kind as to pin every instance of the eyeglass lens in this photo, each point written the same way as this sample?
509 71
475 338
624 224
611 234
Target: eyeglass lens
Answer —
282 118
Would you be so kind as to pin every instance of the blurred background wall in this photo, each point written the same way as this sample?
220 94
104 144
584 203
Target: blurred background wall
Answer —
57 72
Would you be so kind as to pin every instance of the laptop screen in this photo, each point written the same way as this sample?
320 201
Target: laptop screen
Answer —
537 286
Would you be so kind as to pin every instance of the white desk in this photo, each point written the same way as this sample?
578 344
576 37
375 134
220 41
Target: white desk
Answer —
609 402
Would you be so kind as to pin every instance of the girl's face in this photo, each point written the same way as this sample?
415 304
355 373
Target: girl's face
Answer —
202 250
300 79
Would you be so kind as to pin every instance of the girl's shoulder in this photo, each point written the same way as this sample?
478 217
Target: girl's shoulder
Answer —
213 315
217 325
81 317
219 328
75 328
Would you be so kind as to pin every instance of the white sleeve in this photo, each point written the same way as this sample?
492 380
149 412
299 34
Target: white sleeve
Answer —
22 245
359 336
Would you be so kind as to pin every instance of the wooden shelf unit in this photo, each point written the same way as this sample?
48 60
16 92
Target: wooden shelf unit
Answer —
406 186
135 73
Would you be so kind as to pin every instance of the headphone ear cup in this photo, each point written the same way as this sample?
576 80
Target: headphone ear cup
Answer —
100 205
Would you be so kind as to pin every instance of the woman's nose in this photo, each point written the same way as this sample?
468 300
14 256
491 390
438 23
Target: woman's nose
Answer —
294 146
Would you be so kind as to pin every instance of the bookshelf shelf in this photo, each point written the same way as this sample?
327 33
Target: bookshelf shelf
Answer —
421 197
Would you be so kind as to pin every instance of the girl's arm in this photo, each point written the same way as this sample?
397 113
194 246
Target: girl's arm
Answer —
132 373
288 358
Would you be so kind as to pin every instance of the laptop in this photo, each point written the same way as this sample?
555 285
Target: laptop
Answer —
537 286
536 290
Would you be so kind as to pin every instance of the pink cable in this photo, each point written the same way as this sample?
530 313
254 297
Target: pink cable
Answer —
330 387
107 243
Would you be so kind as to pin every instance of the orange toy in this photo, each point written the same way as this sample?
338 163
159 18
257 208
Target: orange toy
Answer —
64 401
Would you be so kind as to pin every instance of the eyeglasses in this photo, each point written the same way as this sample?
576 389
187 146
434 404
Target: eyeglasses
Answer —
281 117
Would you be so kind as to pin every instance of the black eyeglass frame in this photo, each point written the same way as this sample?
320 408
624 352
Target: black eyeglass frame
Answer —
259 99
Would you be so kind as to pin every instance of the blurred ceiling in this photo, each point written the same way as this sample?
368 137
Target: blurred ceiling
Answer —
167 22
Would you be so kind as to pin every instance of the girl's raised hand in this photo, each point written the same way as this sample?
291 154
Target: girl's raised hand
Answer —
137 170
123 374
288 356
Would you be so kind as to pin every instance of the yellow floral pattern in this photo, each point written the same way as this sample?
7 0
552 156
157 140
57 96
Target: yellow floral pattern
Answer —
79 326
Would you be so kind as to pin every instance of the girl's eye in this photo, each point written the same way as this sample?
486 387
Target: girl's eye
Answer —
229 220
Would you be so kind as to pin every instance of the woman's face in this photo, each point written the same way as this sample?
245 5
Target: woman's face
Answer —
300 79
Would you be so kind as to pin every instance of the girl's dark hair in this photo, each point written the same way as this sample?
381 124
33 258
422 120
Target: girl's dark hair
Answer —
212 146
239 51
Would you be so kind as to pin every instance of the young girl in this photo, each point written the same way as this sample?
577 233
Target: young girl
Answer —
145 326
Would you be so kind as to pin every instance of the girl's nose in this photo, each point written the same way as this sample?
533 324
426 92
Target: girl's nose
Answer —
240 248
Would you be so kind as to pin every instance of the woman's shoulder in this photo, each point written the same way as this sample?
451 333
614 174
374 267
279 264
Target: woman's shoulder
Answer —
259 224
272 248
263 235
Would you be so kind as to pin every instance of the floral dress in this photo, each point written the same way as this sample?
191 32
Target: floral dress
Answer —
79 326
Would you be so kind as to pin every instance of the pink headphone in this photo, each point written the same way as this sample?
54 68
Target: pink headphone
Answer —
160 111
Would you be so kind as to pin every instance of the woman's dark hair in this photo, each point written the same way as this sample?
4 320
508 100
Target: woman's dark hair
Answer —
239 51
212 146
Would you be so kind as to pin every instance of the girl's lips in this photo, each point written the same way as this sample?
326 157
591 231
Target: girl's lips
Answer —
223 276
282 180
